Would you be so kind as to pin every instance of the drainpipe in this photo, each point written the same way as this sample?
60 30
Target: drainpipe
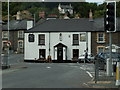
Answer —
49 43
0 43
87 41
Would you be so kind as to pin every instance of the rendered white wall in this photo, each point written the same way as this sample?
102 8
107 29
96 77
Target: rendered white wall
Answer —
32 49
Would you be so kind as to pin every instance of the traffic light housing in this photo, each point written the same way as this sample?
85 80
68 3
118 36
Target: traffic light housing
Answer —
110 17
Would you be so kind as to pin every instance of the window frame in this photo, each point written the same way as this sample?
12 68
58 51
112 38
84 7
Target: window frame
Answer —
3 34
100 47
20 34
19 43
75 40
75 53
98 38
41 40
29 39
82 37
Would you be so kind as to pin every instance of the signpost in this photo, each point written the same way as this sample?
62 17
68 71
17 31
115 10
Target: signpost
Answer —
8 44
5 61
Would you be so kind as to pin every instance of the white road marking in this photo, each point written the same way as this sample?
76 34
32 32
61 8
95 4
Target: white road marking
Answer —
48 67
85 84
89 74
82 68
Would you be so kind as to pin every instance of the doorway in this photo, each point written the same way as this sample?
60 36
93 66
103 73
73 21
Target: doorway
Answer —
42 53
60 52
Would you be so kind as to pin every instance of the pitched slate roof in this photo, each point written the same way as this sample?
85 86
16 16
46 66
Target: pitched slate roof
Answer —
99 24
16 25
64 25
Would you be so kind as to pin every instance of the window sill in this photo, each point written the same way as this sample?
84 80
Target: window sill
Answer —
41 44
4 38
20 38
100 42
75 45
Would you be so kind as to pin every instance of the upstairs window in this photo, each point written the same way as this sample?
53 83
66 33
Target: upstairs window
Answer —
100 37
41 39
20 44
5 34
20 34
83 37
75 39
31 37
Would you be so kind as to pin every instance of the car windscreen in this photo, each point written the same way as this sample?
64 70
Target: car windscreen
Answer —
114 55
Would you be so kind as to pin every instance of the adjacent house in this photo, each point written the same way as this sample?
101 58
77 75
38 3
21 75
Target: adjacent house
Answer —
100 38
62 39
15 34
65 9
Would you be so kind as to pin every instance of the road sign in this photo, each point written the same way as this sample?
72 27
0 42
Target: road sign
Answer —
8 44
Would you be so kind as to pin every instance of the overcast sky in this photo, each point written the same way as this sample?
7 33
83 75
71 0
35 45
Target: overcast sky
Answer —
97 1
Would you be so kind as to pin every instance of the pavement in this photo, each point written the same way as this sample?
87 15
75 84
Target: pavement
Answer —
103 81
13 68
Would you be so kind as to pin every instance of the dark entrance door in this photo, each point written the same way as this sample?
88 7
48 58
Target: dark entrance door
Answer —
41 53
60 54
61 50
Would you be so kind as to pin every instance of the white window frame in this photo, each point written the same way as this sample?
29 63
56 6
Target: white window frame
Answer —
19 44
20 34
100 47
3 34
3 43
101 37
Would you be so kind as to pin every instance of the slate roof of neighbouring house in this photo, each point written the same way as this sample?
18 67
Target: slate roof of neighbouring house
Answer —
64 25
16 25
99 24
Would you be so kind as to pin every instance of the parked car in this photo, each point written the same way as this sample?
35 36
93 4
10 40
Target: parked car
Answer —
103 56
90 58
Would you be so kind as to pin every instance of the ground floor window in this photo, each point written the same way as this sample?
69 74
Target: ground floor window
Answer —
42 53
4 45
20 44
75 53
100 49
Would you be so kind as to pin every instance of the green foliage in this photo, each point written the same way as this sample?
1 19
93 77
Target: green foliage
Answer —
118 9
80 8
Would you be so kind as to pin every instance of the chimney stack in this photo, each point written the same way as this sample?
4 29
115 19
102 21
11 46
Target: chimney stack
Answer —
42 14
18 16
90 15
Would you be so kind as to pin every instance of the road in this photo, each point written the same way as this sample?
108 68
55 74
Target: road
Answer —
46 75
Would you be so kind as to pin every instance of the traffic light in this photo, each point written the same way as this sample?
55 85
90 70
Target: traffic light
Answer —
110 18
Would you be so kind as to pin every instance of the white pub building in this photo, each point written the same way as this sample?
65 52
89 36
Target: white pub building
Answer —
62 39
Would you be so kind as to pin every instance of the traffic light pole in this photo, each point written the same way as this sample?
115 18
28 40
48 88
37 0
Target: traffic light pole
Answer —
110 27
109 61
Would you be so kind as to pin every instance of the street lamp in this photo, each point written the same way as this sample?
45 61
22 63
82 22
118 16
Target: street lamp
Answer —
7 59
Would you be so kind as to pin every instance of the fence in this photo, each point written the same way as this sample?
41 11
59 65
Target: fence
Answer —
100 72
